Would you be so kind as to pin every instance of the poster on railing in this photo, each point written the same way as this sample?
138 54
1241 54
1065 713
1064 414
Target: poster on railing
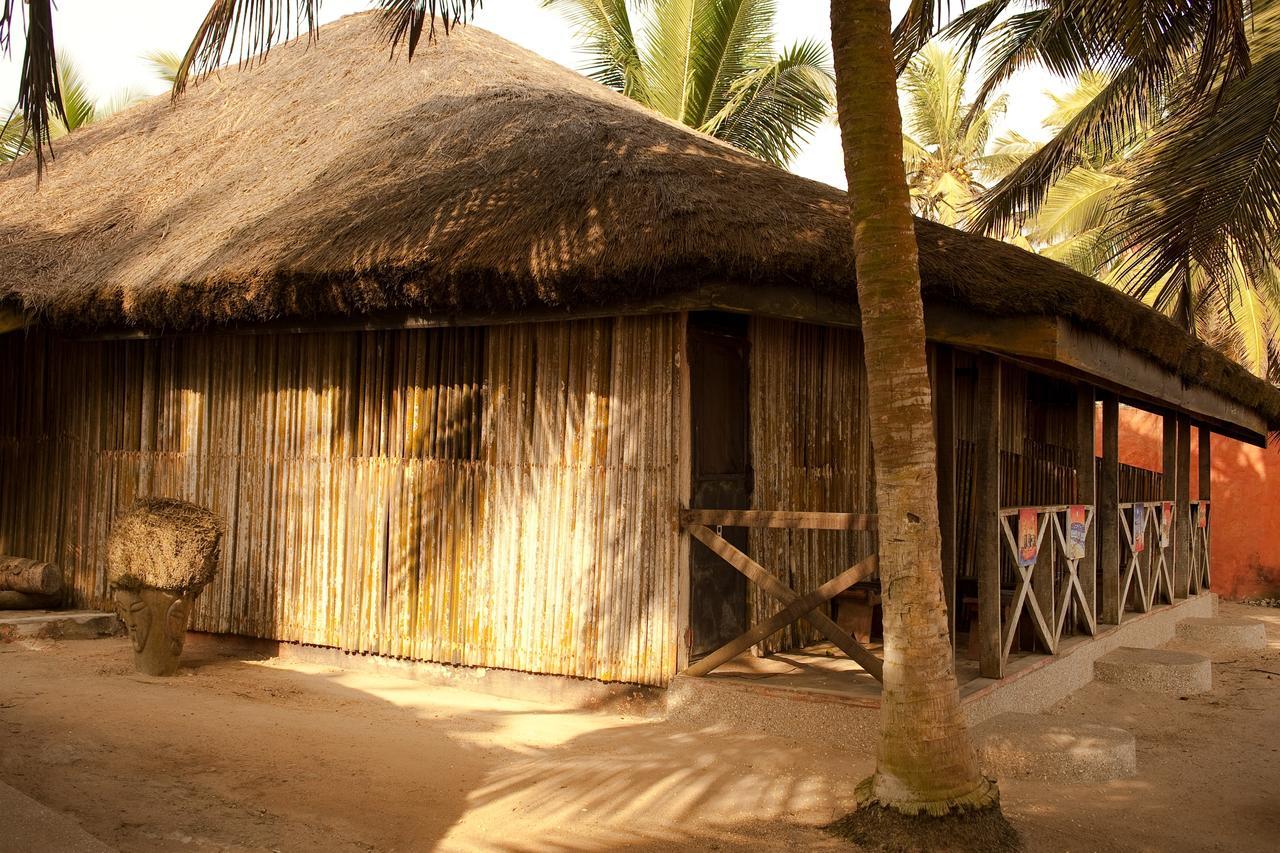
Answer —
1076 516
1028 536
1139 528
1202 514
1166 522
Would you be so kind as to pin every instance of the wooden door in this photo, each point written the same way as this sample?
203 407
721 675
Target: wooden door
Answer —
719 352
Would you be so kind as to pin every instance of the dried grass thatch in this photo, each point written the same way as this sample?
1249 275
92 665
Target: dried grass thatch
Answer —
164 543
329 180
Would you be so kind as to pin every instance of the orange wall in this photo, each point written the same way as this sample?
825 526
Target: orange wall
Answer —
1245 514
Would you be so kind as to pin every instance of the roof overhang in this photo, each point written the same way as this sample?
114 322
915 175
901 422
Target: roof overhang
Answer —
1048 344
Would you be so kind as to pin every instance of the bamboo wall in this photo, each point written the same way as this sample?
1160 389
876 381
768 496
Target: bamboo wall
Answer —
500 497
812 451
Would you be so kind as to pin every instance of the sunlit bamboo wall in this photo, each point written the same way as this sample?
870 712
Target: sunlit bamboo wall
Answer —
500 497
811 451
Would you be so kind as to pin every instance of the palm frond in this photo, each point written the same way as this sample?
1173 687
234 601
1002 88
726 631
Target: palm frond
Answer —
733 38
609 38
1006 154
772 110
1206 188
1082 200
39 88
164 63
79 105
670 37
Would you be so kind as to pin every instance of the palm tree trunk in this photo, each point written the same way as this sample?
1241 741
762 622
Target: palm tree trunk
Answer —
925 760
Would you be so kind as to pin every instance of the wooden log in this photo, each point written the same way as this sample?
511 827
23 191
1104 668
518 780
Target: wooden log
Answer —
1107 521
945 412
986 498
10 600
18 574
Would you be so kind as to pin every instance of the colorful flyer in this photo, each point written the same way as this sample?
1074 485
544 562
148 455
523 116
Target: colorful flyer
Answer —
1076 516
1139 528
1028 534
1202 514
1166 522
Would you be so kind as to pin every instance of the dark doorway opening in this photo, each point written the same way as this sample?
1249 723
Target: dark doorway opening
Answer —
719 363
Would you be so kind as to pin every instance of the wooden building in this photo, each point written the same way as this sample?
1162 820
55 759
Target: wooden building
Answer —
474 356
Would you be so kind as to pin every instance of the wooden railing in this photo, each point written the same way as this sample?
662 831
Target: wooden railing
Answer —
1200 519
705 526
1048 585
1146 539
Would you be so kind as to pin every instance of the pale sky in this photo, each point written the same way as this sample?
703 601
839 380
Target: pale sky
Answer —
107 40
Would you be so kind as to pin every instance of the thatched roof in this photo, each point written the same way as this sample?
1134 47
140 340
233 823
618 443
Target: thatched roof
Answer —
330 181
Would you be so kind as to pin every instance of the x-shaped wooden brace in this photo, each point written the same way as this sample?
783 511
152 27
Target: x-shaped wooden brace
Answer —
1021 598
1133 574
1072 586
1161 572
795 606
1200 568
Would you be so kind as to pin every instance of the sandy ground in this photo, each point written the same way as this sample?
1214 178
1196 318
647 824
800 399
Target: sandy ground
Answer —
242 754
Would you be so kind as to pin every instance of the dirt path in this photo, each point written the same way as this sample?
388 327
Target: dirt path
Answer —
238 754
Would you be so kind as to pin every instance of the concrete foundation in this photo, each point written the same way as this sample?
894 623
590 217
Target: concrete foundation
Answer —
1157 670
1029 746
58 625
1223 632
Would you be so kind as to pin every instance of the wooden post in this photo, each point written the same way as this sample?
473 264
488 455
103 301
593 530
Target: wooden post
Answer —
945 412
1107 522
684 447
1182 512
986 498
1086 490
1206 480
1168 492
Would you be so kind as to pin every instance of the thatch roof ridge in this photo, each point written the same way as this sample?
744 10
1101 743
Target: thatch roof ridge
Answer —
480 177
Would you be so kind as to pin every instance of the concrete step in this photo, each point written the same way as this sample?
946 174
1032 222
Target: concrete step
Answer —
1158 670
58 624
1033 746
1223 632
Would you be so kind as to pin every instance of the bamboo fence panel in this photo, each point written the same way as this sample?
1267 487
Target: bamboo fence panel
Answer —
809 429
490 496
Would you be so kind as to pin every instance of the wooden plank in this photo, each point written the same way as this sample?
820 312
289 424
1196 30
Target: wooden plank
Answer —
1182 512
783 593
789 519
944 387
986 498
1107 522
1086 493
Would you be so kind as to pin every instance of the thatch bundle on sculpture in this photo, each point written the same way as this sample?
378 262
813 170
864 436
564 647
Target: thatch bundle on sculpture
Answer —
160 555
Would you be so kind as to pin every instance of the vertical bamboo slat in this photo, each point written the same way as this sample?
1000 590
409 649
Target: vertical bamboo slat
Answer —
495 496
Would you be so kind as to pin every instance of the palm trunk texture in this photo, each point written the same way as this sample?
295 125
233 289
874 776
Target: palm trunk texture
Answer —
926 763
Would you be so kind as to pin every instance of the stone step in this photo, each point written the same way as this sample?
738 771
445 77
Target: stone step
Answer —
58 624
1158 670
1032 746
1233 632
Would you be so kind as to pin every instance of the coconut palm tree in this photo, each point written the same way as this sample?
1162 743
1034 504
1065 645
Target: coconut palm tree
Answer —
1198 84
709 64
925 762
945 152
1081 222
